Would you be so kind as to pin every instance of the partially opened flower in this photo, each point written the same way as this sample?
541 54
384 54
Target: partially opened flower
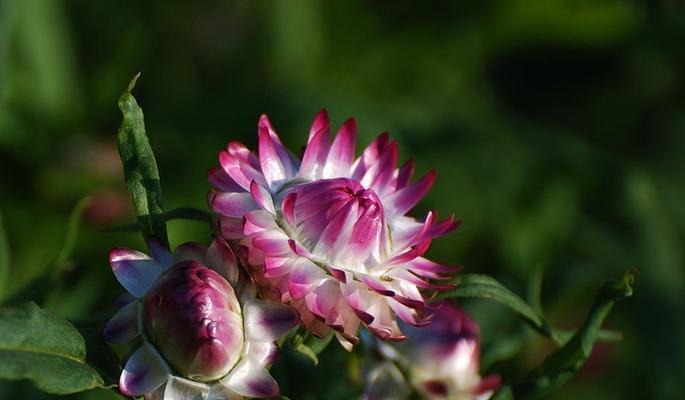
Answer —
440 361
330 234
202 332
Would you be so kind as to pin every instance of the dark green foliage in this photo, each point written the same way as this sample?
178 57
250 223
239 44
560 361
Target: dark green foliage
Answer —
39 345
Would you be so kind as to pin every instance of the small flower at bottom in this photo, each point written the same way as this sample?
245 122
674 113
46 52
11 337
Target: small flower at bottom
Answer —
330 234
440 362
204 334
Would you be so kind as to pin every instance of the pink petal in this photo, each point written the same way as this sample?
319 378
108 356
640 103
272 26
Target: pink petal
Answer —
338 230
232 204
288 208
379 174
266 321
406 198
341 154
416 251
305 276
258 221
320 123
272 243
231 228
422 266
218 178
370 156
357 297
276 163
315 154
376 285
262 197
241 171
404 174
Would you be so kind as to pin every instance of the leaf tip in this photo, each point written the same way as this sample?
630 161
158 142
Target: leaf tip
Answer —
132 84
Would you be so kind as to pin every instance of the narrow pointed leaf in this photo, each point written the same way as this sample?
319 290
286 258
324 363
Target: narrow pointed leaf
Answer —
561 365
483 286
140 168
41 346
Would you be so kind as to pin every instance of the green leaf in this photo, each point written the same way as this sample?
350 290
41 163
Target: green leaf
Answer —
561 365
41 346
140 168
4 260
483 286
189 213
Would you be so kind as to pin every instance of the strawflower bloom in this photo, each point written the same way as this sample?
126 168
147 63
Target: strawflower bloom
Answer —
329 234
440 362
202 332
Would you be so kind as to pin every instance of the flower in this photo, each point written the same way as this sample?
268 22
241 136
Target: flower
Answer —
440 361
329 234
203 333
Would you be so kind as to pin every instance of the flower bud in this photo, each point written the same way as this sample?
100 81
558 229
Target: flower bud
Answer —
193 317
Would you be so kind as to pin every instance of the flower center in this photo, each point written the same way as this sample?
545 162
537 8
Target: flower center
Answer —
194 319
339 221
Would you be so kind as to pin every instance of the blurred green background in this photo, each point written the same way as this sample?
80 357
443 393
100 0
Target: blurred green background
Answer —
557 129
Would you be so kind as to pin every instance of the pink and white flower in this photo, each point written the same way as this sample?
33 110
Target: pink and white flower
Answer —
202 332
440 361
330 234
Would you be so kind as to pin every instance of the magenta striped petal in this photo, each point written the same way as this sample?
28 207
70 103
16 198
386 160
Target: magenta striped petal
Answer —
380 173
320 123
258 221
406 198
315 154
304 277
266 322
232 204
136 271
341 154
241 171
273 243
288 208
218 178
231 228
404 174
370 156
262 197
376 285
315 230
